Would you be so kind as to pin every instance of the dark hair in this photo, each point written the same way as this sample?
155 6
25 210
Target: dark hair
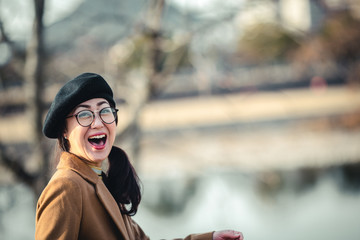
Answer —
121 178
123 182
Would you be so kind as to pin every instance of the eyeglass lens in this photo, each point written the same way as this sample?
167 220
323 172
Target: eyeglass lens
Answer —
86 117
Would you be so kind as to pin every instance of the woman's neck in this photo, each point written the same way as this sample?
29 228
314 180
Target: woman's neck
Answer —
90 163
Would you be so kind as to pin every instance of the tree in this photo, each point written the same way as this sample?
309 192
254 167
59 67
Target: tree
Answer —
147 53
35 170
34 79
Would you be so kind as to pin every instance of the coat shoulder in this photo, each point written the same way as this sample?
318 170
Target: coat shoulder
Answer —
63 181
62 195
66 176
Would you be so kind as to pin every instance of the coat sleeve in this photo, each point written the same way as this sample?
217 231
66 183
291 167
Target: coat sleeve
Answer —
138 233
58 212
202 236
134 230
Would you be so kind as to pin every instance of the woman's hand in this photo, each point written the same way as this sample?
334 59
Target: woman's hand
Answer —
228 235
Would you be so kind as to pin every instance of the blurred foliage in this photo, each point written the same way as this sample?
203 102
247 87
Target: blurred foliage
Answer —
340 36
264 42
336 40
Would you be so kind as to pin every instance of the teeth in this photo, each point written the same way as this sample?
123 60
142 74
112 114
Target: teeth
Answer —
97 136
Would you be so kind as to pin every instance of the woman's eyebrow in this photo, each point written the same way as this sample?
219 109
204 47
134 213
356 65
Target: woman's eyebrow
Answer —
88 106
83 105
101 103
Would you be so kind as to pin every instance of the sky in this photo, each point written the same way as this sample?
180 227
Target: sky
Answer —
58 9
204 5
17 16
18 19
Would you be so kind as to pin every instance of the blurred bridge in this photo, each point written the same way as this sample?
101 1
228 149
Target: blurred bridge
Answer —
251 130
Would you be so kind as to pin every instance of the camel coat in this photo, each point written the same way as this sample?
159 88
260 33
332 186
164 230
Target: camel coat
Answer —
77 205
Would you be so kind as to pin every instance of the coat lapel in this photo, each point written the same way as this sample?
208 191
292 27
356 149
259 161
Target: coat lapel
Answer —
71 161
112 207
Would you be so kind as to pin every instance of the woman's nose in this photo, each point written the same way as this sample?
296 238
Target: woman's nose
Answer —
97 123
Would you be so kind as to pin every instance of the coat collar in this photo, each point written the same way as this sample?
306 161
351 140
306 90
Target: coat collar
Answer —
71 161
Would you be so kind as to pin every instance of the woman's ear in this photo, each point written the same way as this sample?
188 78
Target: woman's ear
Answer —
65 134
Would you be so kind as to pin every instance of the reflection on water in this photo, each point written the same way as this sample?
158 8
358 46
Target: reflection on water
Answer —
306 204
286 209
17 213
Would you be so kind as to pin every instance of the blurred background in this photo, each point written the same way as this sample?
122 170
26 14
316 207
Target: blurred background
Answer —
236 114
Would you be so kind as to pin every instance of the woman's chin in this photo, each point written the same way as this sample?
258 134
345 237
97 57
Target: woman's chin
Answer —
99 156
96 155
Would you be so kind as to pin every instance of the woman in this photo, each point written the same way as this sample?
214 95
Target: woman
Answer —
80 201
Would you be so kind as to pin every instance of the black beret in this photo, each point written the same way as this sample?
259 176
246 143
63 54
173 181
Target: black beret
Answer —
80 89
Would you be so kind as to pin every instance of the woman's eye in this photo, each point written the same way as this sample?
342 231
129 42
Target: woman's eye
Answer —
85 114
106 111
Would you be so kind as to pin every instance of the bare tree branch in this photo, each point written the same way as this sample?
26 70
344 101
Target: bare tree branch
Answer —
15 166
35 88
3 36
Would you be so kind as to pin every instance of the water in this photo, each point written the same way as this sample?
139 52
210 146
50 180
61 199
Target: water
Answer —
17 212
323 211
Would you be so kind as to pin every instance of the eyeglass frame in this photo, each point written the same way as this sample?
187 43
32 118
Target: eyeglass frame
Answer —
114 112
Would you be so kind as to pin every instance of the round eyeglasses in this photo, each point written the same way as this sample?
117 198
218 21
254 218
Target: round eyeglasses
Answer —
86 117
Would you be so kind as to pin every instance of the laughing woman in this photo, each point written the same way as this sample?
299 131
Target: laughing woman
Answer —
80 201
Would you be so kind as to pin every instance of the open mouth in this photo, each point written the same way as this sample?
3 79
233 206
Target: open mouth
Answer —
97 140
